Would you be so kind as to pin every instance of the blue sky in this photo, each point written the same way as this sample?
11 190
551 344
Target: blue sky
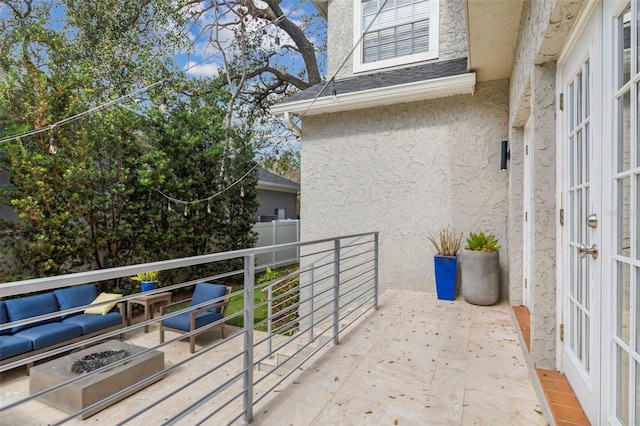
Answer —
202 60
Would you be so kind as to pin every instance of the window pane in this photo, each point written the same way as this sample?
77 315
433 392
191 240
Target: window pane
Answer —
572 164
637 237
624 138
579 156
624 47
421 44
586 153
637 324
622 386
624 301
587 89
624 216
401 28
578 84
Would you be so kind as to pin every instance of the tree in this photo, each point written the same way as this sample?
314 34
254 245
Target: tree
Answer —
101 200
275 45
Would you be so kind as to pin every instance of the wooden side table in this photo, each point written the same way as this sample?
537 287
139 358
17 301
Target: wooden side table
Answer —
149 302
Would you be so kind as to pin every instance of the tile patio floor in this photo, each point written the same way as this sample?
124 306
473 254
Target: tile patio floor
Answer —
415 361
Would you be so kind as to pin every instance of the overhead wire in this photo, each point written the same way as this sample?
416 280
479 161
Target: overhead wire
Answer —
330 81
163 81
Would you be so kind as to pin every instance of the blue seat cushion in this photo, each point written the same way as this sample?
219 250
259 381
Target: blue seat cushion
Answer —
4 319
205 292
72 297
29 307
50 334
12 346
182 321
90 323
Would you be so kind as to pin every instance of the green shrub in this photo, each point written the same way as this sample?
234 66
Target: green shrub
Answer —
284 320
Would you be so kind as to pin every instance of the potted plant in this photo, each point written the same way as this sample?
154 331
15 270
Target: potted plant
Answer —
480 269
445 262
148 280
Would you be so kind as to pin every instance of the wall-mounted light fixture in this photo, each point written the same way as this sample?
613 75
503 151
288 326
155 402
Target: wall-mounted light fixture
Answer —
506 155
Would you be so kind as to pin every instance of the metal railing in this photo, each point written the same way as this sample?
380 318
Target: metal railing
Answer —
224 381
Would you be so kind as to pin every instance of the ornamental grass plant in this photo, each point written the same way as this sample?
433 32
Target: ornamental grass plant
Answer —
447 243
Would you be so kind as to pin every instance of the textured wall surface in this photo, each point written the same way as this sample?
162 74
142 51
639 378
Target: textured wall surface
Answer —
515 166
405 170
545 27
452 34
543 213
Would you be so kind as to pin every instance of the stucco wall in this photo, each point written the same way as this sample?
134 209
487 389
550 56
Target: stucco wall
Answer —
545 26
452 34
404 170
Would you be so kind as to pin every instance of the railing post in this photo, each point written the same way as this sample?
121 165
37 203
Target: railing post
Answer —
336 292
249 289
375 270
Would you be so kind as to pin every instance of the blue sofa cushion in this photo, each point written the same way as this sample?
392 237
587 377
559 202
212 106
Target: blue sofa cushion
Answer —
181 322
206 292
4 319
90 323
12 346
72 297
50 334
29 307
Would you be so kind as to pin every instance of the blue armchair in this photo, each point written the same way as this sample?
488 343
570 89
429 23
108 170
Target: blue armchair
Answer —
204 318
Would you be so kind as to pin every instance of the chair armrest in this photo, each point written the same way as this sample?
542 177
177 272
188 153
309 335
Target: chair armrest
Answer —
165 308
122 308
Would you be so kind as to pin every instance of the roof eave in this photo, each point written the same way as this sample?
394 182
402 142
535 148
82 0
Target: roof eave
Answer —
270 186
322 7
462 84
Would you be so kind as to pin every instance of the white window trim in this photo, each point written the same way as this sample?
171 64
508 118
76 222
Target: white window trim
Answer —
434 31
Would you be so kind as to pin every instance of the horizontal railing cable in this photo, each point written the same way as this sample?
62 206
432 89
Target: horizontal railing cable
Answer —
303 312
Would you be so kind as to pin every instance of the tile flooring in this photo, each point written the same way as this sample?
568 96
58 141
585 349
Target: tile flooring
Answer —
415 361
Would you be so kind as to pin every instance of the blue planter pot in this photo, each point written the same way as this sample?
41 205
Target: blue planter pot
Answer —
148 285
445 268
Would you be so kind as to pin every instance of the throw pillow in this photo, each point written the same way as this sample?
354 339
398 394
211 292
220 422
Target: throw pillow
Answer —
103 309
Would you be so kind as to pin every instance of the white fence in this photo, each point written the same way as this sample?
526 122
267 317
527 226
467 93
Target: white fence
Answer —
275 233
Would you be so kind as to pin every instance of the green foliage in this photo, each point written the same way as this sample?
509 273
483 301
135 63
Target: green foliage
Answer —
447 243
285 295
482 242
97 202
146 276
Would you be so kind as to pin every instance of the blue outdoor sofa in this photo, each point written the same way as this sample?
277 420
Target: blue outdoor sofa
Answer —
40 336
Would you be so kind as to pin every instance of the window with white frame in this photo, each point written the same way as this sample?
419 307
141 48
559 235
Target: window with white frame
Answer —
404 31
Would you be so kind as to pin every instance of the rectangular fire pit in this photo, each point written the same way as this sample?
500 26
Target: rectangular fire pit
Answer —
83 393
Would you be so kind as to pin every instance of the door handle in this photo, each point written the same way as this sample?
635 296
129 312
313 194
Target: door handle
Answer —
584 251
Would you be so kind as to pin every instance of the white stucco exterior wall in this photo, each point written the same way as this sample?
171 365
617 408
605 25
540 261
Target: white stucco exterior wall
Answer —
404 170
545 26
452 34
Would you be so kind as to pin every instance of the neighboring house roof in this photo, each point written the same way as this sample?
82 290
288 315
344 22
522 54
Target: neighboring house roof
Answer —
431 80
273 182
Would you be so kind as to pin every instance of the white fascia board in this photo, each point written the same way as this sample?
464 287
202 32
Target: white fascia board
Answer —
270 186
463 84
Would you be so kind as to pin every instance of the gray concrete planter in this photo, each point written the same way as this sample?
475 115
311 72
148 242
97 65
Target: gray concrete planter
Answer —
480 276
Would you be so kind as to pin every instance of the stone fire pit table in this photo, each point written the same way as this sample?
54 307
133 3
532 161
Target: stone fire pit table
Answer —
83 393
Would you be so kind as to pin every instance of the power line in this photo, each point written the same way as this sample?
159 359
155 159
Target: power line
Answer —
143 89
331 80
163 81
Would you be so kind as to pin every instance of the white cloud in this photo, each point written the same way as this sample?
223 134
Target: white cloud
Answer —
209 70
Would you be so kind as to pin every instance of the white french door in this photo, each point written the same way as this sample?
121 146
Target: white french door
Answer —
580 85
600 83
621 396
